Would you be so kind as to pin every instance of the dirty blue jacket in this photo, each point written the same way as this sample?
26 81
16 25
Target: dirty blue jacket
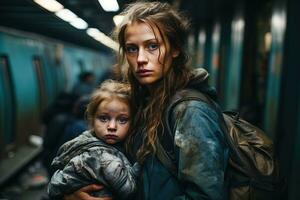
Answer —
201 154
87 160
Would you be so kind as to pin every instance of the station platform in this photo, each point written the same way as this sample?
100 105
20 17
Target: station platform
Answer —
29 184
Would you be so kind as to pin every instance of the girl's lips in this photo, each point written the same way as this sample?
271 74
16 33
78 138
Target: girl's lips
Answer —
112 137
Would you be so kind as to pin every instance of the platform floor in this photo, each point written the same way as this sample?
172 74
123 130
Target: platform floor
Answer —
29 184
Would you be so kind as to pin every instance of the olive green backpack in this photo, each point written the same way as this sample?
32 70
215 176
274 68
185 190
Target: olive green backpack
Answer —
253 170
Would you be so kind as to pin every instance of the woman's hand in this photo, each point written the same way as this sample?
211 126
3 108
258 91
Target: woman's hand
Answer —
83 193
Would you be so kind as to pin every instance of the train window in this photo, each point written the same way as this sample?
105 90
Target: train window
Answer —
7 105
38 66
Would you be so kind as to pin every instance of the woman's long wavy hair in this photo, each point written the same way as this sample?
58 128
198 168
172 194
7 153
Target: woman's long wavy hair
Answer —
147 107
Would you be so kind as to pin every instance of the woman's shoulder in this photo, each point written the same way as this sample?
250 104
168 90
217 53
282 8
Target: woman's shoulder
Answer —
187 104
191 104
194 110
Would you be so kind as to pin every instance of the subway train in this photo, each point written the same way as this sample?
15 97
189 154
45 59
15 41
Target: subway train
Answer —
249 49
34 70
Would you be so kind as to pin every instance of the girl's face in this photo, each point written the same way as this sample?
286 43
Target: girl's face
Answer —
148 57
111 121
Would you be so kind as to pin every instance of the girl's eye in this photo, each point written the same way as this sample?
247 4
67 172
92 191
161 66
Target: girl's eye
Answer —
123 120
103 118
131 49
153 46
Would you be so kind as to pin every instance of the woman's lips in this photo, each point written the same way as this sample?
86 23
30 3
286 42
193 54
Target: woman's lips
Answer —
144 72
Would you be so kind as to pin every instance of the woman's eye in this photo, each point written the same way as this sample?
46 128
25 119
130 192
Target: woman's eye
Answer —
103 118
131 49
123 120
153 46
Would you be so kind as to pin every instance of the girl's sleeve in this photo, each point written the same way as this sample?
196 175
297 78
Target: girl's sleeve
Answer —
202 153
98 166
67 180
112 170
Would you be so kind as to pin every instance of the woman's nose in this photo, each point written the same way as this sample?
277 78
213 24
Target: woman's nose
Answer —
142 57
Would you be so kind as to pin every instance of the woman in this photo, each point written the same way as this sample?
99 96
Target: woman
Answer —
152 38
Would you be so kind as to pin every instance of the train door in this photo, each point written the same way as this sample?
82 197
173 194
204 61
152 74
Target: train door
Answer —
81 65
40 75
7 107
59 69
73 66
51 67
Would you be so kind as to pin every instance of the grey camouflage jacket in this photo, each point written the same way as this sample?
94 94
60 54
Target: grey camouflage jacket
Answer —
86 160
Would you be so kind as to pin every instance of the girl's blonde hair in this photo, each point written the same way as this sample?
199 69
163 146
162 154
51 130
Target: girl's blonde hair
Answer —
107 90
148 109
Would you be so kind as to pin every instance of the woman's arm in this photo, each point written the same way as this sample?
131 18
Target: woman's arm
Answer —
83 193
203 155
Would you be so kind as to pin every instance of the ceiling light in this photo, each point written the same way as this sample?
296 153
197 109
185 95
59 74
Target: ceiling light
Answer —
51 5
79 23
108 42
66 15
102 38
93 32
118 19
109 5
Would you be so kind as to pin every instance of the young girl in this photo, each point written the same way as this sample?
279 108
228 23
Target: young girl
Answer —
152 39
95 156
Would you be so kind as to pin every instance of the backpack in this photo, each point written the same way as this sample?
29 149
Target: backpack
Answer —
252 171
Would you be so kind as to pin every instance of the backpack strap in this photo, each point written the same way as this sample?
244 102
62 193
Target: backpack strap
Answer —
165 159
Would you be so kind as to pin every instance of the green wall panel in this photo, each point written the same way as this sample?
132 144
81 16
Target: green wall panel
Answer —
274 74
233 68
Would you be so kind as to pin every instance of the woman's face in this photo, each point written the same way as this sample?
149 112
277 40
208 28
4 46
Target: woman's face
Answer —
148 57
111 121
